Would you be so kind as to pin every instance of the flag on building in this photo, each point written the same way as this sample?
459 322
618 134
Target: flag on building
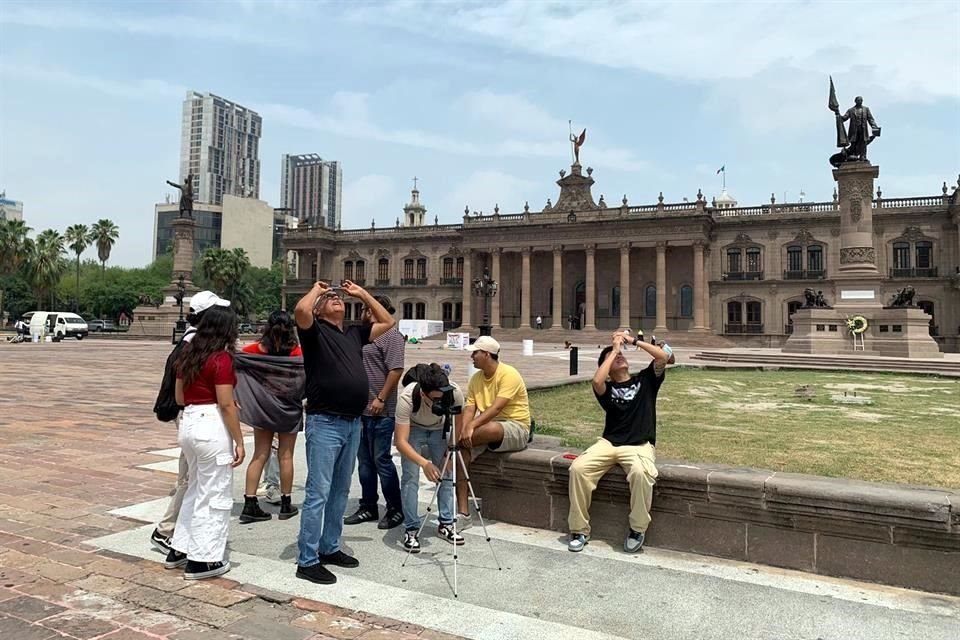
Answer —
722 169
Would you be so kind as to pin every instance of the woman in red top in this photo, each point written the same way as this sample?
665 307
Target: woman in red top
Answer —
279 339
211 441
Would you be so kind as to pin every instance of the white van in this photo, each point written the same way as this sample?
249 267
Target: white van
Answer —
59 324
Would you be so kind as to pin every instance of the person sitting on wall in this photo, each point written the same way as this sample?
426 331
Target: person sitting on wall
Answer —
629 439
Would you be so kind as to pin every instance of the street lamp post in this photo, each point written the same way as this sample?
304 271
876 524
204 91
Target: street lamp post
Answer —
181 290
485 287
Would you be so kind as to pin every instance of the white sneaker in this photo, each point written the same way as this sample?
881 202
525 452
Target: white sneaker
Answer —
464 521
272 495
577 541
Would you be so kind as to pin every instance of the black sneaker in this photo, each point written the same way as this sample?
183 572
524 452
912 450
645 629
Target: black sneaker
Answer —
391 520
363 514
445 531
160 541
287 510
316 573
201 570
175 559
340 559
411 542
252 511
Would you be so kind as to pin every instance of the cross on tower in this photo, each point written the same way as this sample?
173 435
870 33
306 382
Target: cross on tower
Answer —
414 183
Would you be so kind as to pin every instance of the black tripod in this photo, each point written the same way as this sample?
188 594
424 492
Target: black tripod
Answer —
450 459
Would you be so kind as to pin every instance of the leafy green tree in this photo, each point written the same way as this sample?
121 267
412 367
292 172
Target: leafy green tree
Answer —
105 234
46 264
224 271
78 238
14 249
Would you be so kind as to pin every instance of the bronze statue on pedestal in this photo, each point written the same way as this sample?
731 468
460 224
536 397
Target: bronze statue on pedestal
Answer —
862 130
186 196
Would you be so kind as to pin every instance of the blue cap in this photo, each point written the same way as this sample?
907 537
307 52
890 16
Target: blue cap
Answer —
667 349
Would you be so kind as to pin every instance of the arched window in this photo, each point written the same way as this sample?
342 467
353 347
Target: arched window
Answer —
924 255
754 264
408 311
422 269
754 312
460 268
360 274
686 301
348 270
650 301
408 269
421 311
901 255
794 259
815 259
734 312
447 309
447 268
383 270
734 264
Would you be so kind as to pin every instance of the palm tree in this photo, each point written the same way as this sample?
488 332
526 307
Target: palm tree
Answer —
78 238
104 234
226 269
46 263
13 242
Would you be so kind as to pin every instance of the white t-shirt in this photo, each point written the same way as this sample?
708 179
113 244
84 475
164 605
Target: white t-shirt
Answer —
424 418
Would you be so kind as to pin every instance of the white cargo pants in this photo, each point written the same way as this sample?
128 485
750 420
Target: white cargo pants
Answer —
201 530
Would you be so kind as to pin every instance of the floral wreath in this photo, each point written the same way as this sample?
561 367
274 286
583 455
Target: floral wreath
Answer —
857 325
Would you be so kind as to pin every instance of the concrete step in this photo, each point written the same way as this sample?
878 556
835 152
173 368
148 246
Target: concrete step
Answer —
939 367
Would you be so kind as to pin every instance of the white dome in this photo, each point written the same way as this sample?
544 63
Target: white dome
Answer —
725 200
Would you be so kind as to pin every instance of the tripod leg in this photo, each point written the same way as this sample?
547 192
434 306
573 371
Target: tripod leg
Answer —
423 523
476 505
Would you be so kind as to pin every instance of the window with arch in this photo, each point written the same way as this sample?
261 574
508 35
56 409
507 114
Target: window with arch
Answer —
408 269
421 311
734 312
686 301
421 268
447 268
348 270
815 258
794 259
754 312
383 270
360 271
744 316
460 268
924 254
901 255
650 301
408 311
447 311
805 262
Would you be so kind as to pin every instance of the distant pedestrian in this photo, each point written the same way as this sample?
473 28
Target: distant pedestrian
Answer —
539 322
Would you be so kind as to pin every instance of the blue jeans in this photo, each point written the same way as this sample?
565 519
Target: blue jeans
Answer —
410 484
375 461
332 443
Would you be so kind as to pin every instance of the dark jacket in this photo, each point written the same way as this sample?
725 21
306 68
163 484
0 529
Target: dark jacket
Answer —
270 391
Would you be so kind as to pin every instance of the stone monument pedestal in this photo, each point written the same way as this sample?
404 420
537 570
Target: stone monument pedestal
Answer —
902 332
161 320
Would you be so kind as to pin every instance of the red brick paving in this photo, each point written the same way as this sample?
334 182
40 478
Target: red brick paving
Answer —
74 427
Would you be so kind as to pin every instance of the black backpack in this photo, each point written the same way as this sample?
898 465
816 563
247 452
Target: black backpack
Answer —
166 407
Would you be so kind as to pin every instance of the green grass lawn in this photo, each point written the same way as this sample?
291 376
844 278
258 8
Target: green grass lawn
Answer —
910 434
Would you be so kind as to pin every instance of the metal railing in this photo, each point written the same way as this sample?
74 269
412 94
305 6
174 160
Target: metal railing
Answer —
743 275
913 272
743 327
381 283
418 282
448 281
808 274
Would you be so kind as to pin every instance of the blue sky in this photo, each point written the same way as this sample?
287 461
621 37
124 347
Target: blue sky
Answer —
473 98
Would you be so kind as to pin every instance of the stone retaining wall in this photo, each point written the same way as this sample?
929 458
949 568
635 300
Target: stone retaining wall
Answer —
893 534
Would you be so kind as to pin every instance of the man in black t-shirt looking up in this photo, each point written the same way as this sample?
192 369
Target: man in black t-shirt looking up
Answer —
336 397
629 439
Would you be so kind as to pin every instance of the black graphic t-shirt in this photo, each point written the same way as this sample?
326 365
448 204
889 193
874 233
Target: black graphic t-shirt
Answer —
631 409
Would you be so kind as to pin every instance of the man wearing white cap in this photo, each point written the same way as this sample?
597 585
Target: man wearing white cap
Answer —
497 413
629 439
163 534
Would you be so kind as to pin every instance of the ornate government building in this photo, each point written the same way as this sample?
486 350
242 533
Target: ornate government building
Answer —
709 270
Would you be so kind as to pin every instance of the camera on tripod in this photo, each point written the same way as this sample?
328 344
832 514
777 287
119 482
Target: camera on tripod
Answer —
445 405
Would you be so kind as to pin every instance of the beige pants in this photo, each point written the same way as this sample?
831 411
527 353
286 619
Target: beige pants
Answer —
639 464
169 520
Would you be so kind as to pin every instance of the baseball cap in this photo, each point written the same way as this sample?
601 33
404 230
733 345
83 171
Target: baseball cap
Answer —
203 300
485 343
666 348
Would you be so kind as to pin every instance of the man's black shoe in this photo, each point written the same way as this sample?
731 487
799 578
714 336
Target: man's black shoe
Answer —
390 520
340 559
363 514
160 541
316 573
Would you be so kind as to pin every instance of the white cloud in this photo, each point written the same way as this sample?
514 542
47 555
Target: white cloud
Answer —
484 190
370 197
143 88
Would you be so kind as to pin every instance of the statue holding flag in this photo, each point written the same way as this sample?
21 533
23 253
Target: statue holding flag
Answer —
861 131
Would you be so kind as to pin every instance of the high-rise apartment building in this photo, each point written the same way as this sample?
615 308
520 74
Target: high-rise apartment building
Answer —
219 147
310 189
10 209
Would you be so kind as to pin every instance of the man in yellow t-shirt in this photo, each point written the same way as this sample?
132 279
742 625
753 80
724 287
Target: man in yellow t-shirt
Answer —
497 413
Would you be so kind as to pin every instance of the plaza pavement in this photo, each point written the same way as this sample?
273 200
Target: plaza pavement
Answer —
85 468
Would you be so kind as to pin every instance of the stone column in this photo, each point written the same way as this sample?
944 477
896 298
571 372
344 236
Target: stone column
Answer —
625 285
495 274
591 288
557 311
661 326
855 193
183 229
699 284
525 292
467 288
706 289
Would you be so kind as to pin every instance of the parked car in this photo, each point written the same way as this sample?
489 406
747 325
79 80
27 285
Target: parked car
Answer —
246 327
101 325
